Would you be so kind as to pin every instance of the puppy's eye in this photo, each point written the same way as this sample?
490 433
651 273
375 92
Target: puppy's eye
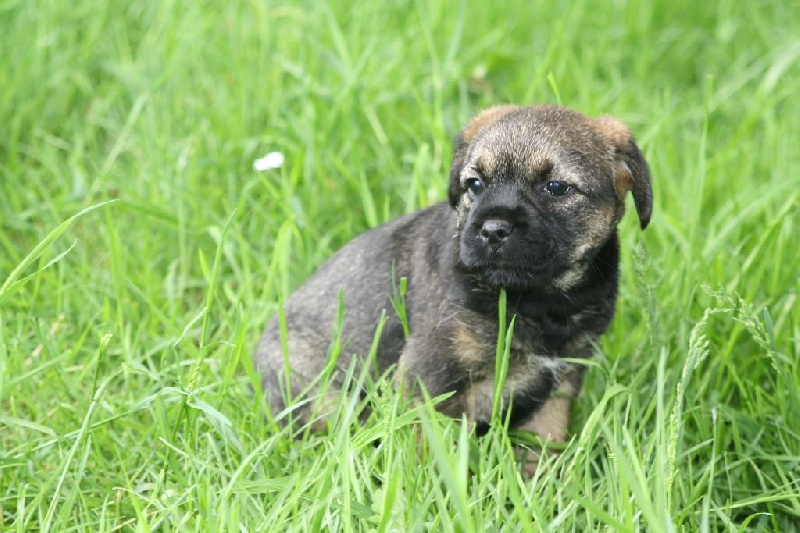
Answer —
474 186
557 188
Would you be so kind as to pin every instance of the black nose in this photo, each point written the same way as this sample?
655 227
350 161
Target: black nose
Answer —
495 231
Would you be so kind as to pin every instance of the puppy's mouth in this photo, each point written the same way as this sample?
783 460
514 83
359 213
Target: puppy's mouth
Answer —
500 274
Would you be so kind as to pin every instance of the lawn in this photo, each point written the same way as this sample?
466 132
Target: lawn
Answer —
141 255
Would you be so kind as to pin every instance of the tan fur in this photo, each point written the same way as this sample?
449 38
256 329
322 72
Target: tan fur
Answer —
630 176
550 423
479 398
623 181
618 136
612 129
483 119
469 346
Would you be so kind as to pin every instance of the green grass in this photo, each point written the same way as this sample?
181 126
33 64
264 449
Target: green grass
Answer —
141 255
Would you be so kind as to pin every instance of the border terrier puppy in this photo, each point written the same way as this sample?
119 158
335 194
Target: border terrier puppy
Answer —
535 197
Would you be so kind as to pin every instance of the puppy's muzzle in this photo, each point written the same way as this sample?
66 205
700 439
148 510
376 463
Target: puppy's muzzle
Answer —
495 232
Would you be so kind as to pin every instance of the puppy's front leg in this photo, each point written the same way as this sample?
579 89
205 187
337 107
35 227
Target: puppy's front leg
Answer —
551 421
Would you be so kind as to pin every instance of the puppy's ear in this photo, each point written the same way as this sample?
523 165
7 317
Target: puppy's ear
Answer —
465 138
632 172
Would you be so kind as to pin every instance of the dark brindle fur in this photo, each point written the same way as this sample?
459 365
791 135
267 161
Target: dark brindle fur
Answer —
536 194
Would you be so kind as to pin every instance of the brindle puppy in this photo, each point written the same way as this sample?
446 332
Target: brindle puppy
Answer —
536 194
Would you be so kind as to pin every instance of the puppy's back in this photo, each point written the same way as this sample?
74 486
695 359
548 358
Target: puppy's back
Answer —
362 271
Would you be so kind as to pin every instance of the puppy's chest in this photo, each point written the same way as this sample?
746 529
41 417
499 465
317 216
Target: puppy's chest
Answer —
537 346
533 372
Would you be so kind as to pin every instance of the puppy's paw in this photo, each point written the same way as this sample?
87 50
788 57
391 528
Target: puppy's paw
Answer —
533 460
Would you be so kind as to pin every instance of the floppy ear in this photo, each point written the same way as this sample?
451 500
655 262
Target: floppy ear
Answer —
465 138
632 172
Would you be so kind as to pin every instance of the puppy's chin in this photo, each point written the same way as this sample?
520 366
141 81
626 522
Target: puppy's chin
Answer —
498 277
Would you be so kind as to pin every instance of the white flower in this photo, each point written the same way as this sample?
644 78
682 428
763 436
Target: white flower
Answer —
268 162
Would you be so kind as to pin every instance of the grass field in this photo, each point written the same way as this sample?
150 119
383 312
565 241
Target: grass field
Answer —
141 255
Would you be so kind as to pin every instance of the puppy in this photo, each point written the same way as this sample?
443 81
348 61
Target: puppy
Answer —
535 197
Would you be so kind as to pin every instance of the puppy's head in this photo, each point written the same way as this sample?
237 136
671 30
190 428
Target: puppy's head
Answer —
539 191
